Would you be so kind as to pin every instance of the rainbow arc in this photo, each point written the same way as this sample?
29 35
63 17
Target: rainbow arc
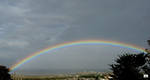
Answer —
71 44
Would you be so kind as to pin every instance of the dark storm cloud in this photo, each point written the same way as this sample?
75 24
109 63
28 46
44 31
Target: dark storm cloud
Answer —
118 20
27 26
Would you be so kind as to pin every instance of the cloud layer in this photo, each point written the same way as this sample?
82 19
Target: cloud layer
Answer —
27 26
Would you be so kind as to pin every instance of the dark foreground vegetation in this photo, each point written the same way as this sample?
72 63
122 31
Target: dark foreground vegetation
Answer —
4 73
132 66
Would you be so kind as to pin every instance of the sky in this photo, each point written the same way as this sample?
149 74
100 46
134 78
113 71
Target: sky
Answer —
27 26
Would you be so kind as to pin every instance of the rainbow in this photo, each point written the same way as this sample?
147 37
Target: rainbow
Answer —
74 43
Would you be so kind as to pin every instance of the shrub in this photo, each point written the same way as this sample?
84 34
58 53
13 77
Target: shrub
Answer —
4 73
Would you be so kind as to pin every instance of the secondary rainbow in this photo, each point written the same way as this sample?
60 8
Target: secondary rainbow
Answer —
74 43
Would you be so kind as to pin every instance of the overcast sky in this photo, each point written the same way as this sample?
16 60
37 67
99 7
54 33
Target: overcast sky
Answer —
27 26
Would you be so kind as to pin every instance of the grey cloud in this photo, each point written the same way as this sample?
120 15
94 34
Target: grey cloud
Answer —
27 26
119 20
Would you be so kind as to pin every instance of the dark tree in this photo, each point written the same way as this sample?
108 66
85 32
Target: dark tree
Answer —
148 42
146 67
4 73
132 66
129 67
148 50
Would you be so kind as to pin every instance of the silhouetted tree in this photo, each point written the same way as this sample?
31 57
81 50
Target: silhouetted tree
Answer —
146 67
148 50
148 42
132 66
4 73
128 67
